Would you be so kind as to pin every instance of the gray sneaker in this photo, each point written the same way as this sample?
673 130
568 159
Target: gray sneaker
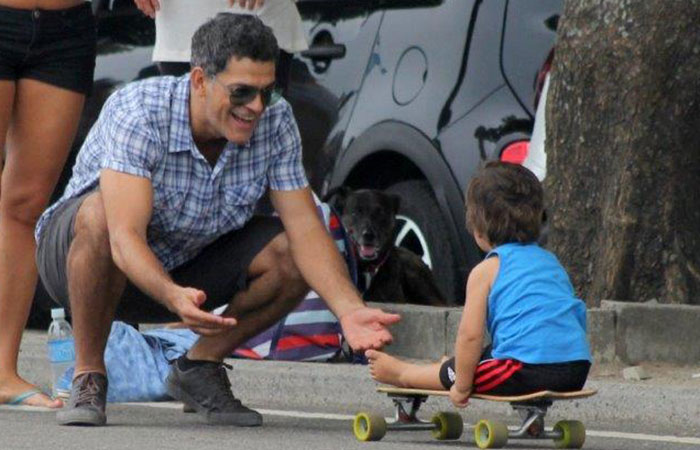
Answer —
206 388
88 396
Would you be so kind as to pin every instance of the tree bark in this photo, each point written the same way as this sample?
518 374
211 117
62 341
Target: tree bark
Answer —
623 148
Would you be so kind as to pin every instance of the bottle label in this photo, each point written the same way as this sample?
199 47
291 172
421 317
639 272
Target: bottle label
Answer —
61 351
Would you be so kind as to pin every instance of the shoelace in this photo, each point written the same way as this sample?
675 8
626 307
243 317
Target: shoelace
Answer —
226 397
88 390
222 372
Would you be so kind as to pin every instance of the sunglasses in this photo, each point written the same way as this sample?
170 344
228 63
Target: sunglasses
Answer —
242 94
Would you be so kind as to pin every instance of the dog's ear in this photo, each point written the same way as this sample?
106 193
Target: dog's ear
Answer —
336 197
395 202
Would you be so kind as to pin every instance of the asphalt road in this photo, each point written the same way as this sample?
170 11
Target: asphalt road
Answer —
164 426
309 407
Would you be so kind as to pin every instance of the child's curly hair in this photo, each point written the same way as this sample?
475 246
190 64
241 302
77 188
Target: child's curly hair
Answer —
505 203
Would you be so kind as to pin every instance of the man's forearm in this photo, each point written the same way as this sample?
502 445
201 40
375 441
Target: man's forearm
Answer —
324 269
134 257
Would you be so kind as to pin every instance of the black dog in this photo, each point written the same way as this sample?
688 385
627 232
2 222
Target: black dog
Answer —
386 273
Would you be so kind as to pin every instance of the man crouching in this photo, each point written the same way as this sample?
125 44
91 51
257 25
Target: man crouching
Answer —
157 223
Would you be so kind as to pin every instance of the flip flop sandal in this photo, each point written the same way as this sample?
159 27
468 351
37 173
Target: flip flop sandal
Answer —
18 399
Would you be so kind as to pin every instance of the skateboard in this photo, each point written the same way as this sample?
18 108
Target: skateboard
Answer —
532 408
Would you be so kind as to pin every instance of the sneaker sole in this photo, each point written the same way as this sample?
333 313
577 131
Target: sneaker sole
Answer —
239 420
80 417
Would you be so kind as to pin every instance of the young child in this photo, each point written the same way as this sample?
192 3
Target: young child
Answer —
519 291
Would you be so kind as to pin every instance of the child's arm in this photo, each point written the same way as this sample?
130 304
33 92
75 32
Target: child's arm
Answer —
470 336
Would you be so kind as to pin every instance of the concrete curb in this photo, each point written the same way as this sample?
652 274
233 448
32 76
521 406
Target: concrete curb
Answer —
654 332
618 331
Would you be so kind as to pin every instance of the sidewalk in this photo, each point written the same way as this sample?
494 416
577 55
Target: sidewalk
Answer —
670 399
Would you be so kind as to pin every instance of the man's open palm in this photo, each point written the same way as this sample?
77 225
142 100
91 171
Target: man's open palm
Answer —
366 328
187 304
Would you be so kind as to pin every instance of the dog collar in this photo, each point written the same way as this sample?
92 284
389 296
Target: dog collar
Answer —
371 270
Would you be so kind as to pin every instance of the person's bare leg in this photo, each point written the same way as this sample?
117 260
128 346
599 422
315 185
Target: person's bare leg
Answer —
2 148
95 285
275 289
39 136
388 369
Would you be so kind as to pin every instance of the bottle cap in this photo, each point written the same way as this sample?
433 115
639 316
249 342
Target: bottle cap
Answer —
58 313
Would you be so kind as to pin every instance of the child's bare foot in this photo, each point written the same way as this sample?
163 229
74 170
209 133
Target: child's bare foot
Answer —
384 368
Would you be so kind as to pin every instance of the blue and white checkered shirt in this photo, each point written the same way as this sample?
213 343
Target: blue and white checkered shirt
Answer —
144 130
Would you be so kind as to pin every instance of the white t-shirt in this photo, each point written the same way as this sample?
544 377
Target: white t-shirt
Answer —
177 20
536 159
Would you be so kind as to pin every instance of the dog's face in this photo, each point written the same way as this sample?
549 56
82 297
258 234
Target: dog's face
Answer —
368 216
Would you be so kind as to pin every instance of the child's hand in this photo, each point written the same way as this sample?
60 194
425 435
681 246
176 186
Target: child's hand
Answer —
459 398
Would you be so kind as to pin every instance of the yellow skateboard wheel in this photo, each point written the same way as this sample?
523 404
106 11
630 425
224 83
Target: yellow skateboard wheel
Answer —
573 434
368 427
449 426
490 434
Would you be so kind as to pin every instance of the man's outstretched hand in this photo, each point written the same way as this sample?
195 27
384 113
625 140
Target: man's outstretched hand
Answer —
186 303
366 328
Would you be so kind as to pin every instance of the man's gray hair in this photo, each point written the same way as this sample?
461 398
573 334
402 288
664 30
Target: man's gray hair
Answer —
232 35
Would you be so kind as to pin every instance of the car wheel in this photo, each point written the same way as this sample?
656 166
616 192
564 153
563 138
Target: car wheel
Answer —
421 228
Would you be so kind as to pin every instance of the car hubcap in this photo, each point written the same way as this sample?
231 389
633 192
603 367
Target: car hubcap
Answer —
410 236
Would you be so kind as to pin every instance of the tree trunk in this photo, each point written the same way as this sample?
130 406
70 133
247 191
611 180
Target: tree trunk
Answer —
623 148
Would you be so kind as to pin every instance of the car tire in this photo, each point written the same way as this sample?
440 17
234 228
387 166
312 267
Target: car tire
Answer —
421 228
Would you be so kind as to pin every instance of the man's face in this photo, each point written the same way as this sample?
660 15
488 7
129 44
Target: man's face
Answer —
234 101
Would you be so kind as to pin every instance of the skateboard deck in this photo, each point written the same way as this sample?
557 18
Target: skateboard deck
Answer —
487 433
552 395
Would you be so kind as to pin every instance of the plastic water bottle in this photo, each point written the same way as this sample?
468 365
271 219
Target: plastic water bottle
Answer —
61 352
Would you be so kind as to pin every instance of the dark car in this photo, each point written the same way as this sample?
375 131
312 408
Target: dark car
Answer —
413 97
408 96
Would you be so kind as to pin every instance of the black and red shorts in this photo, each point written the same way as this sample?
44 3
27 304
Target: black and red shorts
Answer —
513 377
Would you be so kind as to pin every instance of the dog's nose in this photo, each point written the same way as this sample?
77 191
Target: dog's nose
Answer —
368 235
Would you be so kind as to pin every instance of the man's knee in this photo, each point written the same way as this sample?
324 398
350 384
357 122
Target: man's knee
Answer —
277 256
91 223
281 255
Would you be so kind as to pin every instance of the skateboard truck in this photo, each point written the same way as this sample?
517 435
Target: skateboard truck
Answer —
532 414
443 425
406 413
566 433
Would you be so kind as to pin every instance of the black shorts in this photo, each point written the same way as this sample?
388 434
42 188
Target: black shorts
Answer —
57 47
220 269
512 377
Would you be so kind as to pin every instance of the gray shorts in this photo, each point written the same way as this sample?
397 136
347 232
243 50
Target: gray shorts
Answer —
220 269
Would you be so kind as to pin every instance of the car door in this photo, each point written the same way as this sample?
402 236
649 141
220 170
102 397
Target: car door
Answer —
324 80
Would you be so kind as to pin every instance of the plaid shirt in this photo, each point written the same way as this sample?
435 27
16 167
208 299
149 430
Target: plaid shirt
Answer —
144 130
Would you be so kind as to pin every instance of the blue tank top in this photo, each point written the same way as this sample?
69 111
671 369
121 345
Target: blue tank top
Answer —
533 314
